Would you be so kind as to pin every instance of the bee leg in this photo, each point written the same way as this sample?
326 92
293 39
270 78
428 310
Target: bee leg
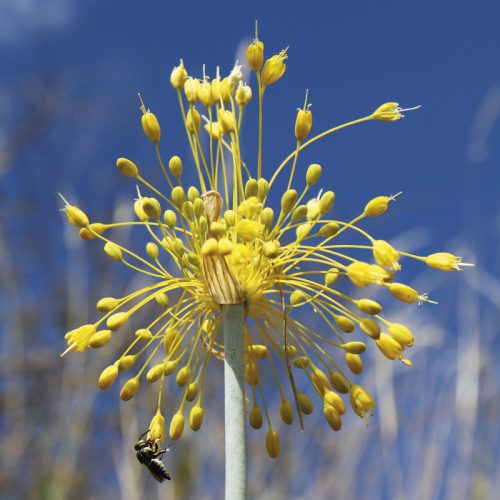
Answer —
142 435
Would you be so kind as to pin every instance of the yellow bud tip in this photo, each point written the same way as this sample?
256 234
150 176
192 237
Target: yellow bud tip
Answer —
391 112
446 262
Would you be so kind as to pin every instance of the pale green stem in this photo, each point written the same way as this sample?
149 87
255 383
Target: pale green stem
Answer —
234 401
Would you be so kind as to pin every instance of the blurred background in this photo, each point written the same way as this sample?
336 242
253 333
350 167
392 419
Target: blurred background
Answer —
70 73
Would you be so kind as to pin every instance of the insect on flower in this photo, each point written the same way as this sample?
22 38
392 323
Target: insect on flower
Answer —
223 240
149 454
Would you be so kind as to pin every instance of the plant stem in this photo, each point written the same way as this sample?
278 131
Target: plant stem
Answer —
234 401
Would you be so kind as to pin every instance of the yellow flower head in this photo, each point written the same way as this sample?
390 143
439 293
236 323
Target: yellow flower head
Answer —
223 239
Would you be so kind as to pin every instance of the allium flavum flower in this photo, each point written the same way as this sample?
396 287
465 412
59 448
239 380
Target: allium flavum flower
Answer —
220 242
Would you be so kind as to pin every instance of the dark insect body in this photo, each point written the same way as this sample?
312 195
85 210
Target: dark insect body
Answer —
149 454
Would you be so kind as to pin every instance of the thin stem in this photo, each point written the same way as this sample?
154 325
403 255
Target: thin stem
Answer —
234 404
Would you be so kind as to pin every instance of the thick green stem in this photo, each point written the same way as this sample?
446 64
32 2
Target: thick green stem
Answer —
234 398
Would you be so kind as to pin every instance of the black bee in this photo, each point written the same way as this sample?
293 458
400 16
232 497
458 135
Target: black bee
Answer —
148 454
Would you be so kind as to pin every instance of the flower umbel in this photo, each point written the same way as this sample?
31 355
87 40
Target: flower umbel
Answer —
223 241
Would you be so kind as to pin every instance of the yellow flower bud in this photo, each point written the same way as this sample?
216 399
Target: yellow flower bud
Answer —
331 276
320 380
170 367
255 55
225 246
299 213
155 372
272 443
143 334
333 399
218 229
271 249
215 89
345 324
303 230
288 200
354 347
401 334
196 418
298 297
193 120
192 391
126 362
78 339
191 87
183 376
162 299
76 217
226 89
214 130
257 351
354 363
157 428
107 377
302 362
251 373
303 123
332 417
305 404
178 196
255 417
152 250
290 350
386 255
445 261
127 167
113 251
178 76
390 112
251 188
274 68
210 247
199 208
403 292
329 229
205 94
339 382
139 212
267 216
243 94
172 341
170 218
313 174
176 426
230 217
370 327
129 390
286 412
262 188
117 320
361 400
377 206
368 306
151 207
107 304
227 120
175 166
360 273
90 232
389 347
326 202
100 339
151 127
